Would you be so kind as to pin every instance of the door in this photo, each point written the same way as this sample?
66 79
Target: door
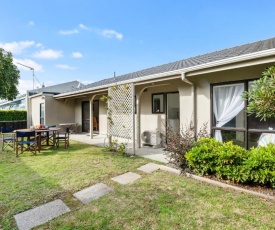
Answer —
172 111
85 116
95 118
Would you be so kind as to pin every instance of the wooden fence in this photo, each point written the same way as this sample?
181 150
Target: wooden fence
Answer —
14 124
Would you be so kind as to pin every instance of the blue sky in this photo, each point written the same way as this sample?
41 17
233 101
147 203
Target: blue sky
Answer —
86 40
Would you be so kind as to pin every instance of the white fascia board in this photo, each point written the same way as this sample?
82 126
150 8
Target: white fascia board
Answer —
226 61
35 95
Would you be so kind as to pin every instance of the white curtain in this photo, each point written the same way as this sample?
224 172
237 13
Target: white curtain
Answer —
227 103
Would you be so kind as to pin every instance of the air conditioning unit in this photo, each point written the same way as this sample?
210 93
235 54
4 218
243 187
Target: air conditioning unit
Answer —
151 138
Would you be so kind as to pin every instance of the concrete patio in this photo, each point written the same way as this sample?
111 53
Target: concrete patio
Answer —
102 141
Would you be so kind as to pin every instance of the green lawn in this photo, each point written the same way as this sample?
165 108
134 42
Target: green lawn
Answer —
156 201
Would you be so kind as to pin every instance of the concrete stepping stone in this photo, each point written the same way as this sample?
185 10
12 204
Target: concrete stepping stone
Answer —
92 193
40 215
149 168
126 178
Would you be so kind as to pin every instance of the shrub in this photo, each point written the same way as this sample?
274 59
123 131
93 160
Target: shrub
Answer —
261 164
181 141
202 157
13 115
232 162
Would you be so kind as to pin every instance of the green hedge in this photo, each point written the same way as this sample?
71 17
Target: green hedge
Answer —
232 162
13 115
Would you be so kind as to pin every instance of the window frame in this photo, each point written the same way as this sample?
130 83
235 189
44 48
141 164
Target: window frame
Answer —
40 114
163 103
244 129
247 131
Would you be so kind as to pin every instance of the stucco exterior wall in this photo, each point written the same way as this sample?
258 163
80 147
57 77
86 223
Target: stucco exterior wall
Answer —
59 111
103 123
203 85
149 120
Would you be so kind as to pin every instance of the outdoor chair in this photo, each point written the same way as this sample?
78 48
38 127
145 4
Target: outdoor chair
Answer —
49 138
95 124
62 137
8 138
26 141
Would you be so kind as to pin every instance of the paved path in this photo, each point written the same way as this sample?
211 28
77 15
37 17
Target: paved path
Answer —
44 213
92 193
40 215
101 140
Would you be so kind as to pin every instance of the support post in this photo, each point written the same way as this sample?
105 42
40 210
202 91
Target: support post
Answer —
134 127
91 118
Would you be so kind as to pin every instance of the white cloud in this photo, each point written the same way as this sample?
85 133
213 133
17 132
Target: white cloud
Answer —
111 34
24 85
64 66
84 27
49 54
31 23
17 47
39 45
68 32
77 55
27 62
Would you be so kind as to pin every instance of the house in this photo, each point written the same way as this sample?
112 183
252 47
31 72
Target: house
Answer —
42 108
204 88
17 104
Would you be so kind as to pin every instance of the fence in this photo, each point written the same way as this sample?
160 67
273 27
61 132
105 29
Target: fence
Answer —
14 124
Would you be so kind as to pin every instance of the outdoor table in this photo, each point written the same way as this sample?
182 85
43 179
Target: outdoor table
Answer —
266 138
39 134
71 126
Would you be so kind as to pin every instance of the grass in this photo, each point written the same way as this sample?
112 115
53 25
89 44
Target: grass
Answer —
156 201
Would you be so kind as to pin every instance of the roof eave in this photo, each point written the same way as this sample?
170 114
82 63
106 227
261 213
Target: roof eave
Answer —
226 61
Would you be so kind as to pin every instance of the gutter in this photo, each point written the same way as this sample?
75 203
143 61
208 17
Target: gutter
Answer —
226 61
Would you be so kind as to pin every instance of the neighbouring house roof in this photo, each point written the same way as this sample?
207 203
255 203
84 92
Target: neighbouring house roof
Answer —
236 51
60 88
54 90
18 98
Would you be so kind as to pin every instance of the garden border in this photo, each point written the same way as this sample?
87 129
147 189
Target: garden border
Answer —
224 185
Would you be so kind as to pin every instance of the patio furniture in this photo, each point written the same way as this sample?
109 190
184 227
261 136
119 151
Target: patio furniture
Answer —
266 138
49 136
26 141
62 137
8 138
71 126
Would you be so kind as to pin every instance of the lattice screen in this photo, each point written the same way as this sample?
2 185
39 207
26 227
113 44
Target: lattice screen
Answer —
121 110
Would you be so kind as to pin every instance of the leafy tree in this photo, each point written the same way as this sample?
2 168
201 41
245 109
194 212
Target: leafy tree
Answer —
261 95
9 76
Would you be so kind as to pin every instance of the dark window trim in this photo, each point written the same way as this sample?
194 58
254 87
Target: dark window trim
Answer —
152 103
82 113
245 129
42 117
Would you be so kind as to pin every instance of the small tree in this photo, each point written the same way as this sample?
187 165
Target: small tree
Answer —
9 76
261 95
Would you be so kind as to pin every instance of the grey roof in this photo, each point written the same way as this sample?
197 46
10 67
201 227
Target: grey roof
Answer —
60 88
189 62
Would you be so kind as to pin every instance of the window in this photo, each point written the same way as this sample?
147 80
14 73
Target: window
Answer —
230 122
158 103
42 113
228 111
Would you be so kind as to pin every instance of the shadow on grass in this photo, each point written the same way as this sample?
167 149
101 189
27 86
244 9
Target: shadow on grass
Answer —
24 187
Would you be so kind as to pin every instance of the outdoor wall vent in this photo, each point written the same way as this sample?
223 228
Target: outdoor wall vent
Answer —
151 138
